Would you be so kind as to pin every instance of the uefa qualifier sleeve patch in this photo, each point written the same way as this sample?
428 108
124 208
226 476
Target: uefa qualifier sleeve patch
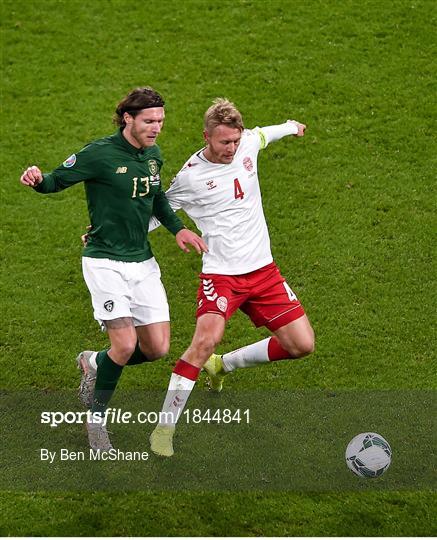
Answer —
70 161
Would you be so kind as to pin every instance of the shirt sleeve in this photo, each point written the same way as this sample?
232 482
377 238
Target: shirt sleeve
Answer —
270 134
164 214
77 168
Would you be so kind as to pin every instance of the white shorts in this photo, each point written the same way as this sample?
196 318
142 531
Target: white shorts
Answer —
126 289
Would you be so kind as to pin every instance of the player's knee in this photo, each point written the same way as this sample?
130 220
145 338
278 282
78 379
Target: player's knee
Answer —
308 348
123 351
305 345
300 347
157 351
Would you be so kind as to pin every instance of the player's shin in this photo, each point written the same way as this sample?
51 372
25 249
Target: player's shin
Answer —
277 352
266 350
108 374
182 382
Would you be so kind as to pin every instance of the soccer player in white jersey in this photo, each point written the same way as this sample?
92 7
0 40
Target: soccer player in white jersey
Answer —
218 188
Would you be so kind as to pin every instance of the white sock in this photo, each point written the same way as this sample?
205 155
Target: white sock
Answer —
249 356
179 390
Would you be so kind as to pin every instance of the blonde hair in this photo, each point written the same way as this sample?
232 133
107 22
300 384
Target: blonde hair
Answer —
223 112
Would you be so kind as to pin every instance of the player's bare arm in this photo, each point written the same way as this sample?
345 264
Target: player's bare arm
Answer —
32 176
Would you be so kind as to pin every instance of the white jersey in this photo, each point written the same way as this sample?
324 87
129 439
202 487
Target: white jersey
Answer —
224 201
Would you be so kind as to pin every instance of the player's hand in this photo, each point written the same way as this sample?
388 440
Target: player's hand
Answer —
32 176
84 237
185 237
300 128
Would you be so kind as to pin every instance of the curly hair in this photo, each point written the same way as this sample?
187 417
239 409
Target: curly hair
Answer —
136 101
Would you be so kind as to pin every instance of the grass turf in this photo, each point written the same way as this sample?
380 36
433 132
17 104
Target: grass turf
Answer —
350 211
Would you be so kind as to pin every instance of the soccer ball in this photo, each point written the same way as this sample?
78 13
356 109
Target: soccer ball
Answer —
368 455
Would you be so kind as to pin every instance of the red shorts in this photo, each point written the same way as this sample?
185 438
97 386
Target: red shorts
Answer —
263 295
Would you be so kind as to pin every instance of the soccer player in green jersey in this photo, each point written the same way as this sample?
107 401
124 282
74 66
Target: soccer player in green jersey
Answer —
121 174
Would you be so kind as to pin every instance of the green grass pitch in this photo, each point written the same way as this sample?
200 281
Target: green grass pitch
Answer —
351 212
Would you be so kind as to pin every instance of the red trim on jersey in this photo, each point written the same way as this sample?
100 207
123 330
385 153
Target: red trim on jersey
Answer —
184 369
275 351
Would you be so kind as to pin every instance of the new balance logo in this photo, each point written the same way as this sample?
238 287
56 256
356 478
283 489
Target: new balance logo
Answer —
121 170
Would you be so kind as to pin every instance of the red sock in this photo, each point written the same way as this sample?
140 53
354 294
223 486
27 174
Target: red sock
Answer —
184 369
275 350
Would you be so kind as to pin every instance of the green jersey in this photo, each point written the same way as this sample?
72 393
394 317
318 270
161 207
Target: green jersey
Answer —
123 189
